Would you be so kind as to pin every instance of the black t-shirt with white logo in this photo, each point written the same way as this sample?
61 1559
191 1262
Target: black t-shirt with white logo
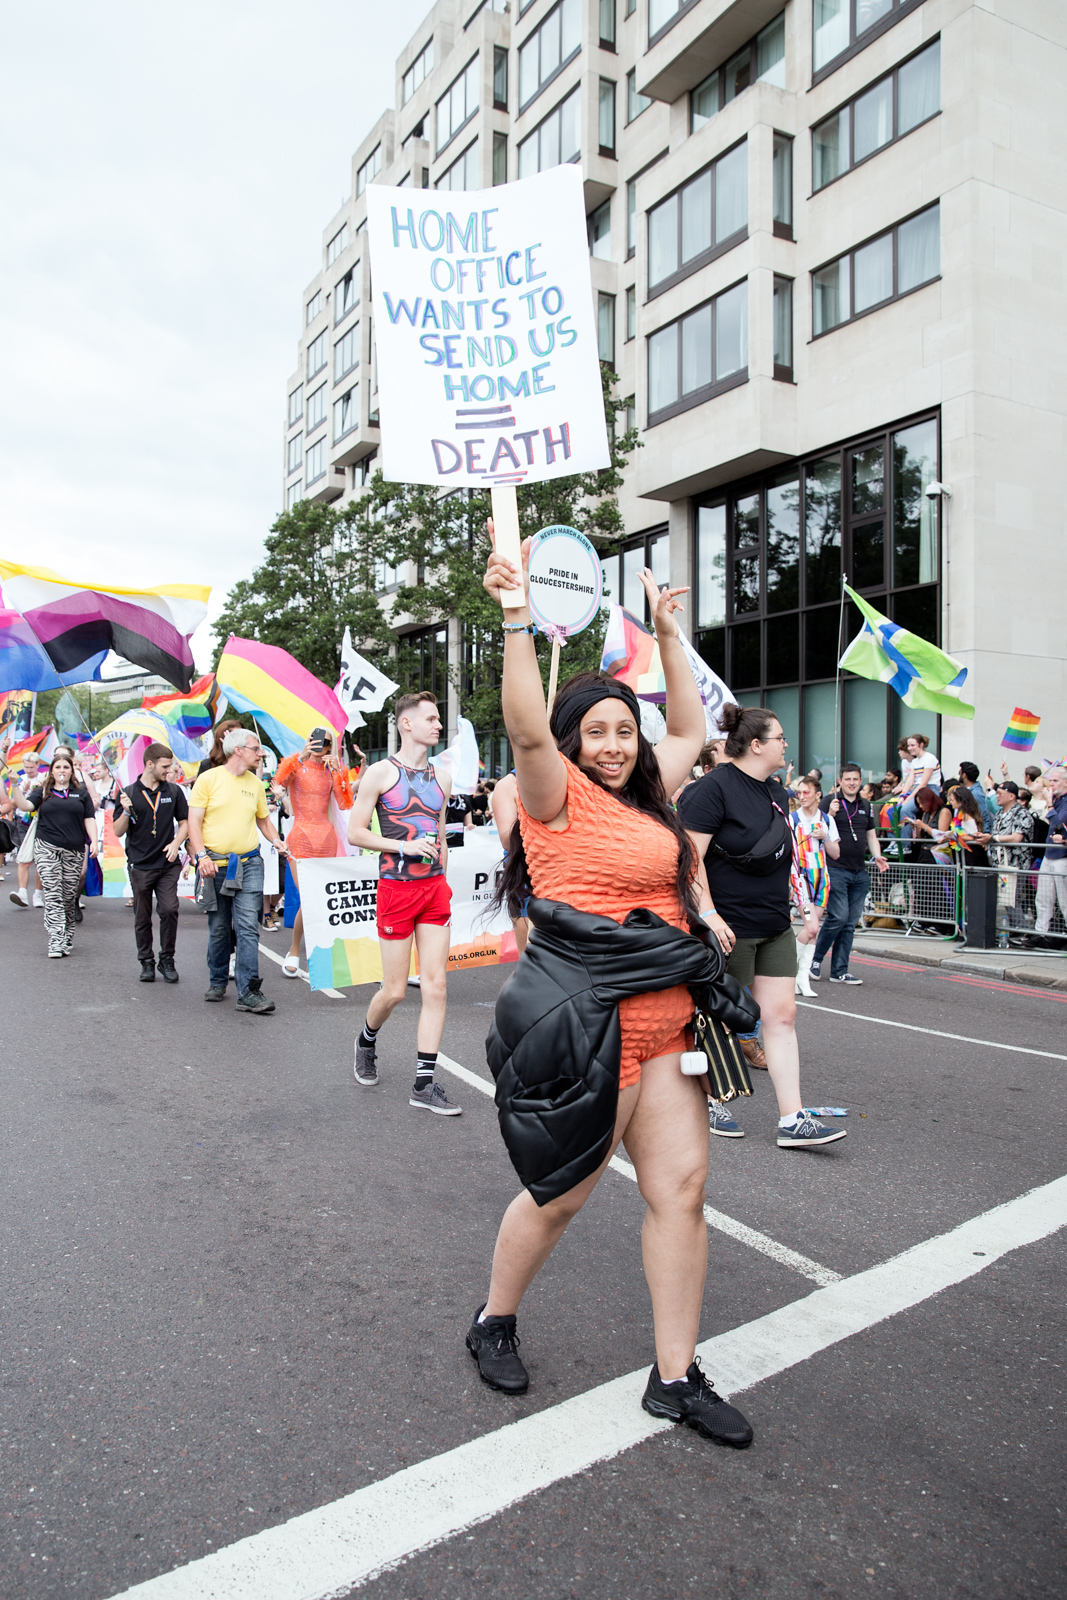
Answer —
854 820
159 808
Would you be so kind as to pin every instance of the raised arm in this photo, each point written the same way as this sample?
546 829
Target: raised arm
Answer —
684 709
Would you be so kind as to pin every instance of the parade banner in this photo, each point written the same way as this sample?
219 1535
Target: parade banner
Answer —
339 896
488 367
113 860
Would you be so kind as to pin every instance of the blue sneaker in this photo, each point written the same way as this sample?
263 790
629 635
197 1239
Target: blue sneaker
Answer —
722 1122
815 971
807 1132
846 977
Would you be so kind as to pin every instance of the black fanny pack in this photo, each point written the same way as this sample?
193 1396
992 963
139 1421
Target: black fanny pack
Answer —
769 851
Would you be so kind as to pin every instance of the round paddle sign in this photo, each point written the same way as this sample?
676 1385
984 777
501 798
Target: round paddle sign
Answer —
566 580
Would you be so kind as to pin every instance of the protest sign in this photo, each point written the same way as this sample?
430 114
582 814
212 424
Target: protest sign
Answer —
566 581
338 896
488 369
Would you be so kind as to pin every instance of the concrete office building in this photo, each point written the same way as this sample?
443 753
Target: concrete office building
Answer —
828 257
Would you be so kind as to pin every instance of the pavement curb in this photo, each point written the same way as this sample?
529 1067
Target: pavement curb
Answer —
1039 977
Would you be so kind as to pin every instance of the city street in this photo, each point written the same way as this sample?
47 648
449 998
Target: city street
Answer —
236 1287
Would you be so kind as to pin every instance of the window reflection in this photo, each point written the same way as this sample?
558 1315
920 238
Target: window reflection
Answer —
868 554
822 530
914 515
745 656
746 583
868 479
711 566
746 521
783 650
783 545
633 594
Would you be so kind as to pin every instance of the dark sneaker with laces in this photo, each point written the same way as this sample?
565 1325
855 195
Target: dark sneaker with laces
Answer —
815 971
433 1098
215 994
722 1122
808 1133
494 1344
695 1403
167 970
366 1067
254 1001
148 972
846 977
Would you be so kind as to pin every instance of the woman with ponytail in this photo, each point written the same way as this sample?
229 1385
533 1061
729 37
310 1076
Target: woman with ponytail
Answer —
609 866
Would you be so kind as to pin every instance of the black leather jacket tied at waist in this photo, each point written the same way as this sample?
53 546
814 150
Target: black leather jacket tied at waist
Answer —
555 1044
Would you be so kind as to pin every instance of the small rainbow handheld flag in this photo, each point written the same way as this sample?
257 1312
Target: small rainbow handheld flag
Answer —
1022 730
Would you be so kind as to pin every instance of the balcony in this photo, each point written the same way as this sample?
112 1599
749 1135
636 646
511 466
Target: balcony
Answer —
743 431
699 40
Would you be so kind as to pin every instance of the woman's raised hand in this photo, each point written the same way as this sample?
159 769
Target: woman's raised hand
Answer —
501 574
662 603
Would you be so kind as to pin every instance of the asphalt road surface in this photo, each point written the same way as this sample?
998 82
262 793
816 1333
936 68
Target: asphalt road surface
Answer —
235 1288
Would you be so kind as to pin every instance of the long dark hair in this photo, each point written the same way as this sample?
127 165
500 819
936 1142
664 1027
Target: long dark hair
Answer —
73 786
963 800
644 792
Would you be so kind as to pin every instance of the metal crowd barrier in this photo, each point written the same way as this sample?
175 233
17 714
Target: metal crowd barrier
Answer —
992 906
914 897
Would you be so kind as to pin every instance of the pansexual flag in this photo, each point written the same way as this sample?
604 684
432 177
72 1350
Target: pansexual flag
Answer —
76 626
286 700
193 714
1022 730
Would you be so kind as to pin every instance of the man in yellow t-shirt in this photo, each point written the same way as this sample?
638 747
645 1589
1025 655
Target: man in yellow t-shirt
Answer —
227 813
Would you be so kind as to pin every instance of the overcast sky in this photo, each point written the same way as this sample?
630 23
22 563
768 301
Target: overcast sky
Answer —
166 175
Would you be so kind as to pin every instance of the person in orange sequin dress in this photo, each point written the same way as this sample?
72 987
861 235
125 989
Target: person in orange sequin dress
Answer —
598 832
310 780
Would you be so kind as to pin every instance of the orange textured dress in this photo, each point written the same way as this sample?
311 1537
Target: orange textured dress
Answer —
310 786
609 859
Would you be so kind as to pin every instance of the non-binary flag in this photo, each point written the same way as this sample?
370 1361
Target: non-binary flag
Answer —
1022 730
923 676
285 698
76 626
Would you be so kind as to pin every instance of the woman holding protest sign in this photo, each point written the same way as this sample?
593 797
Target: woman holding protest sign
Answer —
608 862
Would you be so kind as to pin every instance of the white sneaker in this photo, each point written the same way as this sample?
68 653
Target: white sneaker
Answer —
18 898
38 898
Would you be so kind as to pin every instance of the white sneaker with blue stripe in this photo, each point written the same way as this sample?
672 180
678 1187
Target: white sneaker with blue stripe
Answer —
722 1122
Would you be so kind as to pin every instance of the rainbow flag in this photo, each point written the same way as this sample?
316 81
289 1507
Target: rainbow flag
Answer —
193 714
113 861
1022 730
76 626
284 697
141 724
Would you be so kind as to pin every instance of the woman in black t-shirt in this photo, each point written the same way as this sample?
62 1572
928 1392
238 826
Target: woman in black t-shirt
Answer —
736 819
66 819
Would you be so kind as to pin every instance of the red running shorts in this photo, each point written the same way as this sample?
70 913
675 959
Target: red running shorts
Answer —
402 905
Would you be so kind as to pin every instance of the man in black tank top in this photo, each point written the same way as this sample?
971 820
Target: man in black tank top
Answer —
410 802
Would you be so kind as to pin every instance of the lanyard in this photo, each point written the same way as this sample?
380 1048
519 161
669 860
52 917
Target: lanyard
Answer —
151 807
851 816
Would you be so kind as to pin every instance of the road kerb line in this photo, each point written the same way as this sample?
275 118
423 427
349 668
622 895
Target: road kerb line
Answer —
324 1553
936 1033
334 994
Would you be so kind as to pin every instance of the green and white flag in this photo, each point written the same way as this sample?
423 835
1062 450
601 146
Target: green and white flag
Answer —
923 676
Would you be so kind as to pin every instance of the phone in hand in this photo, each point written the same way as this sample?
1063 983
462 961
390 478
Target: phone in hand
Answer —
317 740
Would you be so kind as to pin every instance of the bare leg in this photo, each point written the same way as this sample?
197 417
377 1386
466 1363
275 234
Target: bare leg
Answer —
396 964
778 1010
667 1140
432 943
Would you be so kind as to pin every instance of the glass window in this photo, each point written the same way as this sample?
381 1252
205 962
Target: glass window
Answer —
633 590
294 493
337 244
500 77
610 592
830 149
663 242
919 88
419 68
548 48
868 12
782 183
704 102
346 295
370 169
783 649
868 555
345 414
745 670
295 453
731 331
660 12
872 123
631 311
605 327
830 292
708 345
868 479
873 273
711 565
314 306
296 404
821 630
316 461
316 355
731 192
607 24
663 381
783 327
770 53
555 140
599 227
783 545
707 212
831 30
629 8
737 75
915 558
820 730
606 117
500 158
891 265
696 350
346 353
635 103
914 89
631 217
659 558
316 409
919 250
457 105
822 530
463 173
746 521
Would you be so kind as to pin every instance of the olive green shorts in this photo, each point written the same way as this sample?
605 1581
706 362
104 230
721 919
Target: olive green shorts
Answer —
773 957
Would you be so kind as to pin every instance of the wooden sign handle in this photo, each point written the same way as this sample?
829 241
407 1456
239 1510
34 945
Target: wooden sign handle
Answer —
553 675
508 541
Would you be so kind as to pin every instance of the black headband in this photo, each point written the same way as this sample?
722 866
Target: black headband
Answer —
572 705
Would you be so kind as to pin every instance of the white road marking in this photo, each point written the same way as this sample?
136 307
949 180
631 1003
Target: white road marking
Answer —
714 1219
334 994
325 1552
991 1044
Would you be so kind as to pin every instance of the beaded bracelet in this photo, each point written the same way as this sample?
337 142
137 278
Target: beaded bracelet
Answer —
519 627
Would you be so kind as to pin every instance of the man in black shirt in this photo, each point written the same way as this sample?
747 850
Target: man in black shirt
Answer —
848 874
147 814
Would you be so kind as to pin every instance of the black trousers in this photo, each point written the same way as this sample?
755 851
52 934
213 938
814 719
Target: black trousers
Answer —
163 883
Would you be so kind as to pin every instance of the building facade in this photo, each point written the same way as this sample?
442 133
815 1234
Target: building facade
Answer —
827 249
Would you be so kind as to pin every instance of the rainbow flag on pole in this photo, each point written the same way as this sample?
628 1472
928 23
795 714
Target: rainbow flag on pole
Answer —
284 697
193 714
1022 730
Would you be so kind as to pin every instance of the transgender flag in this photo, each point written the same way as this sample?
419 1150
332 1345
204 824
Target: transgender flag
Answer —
76 626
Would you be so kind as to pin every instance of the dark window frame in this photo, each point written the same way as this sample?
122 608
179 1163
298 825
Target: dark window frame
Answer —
340 400
857 43
344 315
312 426
753 78
565 61
606 43
849 106
880 305
500 69
661 33
319 337
707 391
608 151
784 374
784 230
716 250
468 119
642 541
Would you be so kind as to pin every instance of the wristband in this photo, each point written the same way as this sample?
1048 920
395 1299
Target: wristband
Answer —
519 627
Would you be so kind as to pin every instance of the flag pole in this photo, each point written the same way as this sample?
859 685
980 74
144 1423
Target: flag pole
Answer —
837 683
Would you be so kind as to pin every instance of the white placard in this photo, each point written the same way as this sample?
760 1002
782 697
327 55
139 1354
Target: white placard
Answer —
488 370
566 580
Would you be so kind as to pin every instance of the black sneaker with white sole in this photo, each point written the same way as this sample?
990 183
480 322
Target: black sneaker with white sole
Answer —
807 1133
846 977
366 1065
695 1403
494 1344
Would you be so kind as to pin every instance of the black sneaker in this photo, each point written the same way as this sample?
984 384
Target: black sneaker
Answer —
695 1403
148 971
167 970
494 1345
215 994
254 1001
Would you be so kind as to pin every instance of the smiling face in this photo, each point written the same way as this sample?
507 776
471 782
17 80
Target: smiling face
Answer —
915 749
609 742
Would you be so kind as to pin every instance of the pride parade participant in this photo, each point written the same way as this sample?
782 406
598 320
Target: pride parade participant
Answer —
410 801
19 823
66 826
310 780
153 815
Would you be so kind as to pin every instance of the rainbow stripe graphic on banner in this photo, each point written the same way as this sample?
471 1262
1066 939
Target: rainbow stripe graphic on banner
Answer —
285 698
113 862
1022 730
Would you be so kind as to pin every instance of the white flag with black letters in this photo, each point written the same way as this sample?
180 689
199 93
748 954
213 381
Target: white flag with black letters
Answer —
361 687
